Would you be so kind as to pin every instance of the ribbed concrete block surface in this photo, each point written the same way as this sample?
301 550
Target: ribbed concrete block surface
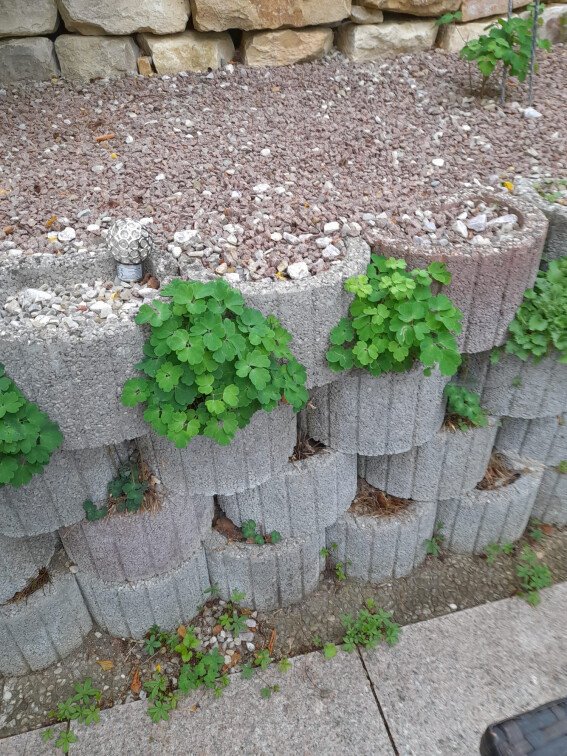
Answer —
544 438
381 548
515 388
44 629
140 545
450 464
480 517
360 414
556 214
271 575
551 500
21 559
306 497
128 610
254 455
55 497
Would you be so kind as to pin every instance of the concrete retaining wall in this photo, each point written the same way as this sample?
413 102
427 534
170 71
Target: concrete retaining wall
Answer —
544 438
21 559
556 214
551 500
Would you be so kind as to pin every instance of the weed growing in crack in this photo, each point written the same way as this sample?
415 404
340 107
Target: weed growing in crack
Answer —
534 576
433 545
82 707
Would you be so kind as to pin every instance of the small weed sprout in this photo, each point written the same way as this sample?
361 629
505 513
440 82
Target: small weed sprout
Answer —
433 544
534 576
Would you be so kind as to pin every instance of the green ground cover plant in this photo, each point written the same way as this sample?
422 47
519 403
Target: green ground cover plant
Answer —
464 408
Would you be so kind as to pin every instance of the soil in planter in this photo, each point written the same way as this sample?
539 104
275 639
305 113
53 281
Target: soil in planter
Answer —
305 447
34 584
497 474
454 423
371 502
226 527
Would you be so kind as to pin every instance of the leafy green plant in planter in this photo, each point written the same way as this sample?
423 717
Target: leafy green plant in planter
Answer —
463 407
211 363
395 319
126 493
249 531
28 438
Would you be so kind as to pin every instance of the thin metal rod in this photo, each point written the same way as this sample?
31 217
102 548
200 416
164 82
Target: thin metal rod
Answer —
532 62
505 72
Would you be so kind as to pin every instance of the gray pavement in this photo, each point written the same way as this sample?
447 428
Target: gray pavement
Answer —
438 689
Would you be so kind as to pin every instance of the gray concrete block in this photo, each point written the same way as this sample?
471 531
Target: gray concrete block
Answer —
307 308
27 59
128 610
140 545
44 629
21 559
488 282
381 548
306 497
551 500
544 438
556 214
472 521
360 414
255 454
515 388
450 464
55 497
271 575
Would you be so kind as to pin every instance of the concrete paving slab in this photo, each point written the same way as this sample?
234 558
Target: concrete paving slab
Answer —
323 707
450 677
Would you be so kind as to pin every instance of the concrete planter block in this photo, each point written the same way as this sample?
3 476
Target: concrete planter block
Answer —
360 414
544 438
255 454
450 464
551 500
47 627
272 575
518 389
487 282
382 548
306 497
140 545
307 308
21 559
477 518
556 214
128 610
55 497
27 59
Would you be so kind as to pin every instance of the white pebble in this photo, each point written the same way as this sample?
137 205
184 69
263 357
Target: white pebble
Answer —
439 162
67 235
331 228
477 223
103 309
330 252
322 242
260 188
93 228
298 270
531 113
276 236
460 228
265 152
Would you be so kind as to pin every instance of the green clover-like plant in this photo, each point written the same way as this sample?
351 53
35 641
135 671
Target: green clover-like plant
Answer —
27 436
396 320
211 363
465 406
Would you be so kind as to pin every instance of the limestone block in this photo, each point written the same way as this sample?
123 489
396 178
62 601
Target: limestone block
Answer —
544 439
361 42
554 28
187 51
84 58
219 15
556 214
286 46
124 16
27 59
453 37
17 19
21 559
361 15
473 9
415 7
551 500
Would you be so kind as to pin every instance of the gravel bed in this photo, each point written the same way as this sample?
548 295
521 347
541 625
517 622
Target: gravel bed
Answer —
263 174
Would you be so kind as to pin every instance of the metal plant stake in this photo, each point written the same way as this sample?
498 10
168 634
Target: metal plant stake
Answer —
532 62
505 72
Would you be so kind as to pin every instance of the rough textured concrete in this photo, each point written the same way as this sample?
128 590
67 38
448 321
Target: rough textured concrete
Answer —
360 414
480 517
323 706
360 42
515 388
17 19
544 439
84 58
308 308
450 464
254 455
21 559
218 15
449 678
128 610
306 497
140 545
271 575
286 46
556 214
551 500
54 498
46 627
27 59
473 9
488 283
187 51
124 16
381 548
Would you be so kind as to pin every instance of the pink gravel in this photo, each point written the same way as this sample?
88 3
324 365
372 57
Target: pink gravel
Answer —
346 142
